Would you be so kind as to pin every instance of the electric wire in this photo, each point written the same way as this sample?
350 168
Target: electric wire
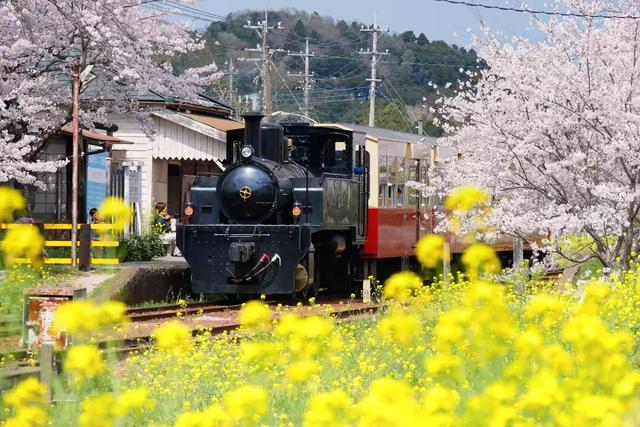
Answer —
538 12
193 9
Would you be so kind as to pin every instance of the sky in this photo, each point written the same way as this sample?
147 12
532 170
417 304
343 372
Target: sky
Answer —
439 21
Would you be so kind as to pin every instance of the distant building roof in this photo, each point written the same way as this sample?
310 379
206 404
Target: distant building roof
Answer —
392 135
217 122
206 105
393 142
98 137
386 134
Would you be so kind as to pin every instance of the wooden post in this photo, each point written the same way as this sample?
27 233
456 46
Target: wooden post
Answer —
446 262
518 256
366 291
84 263
47 369
75 76
518 253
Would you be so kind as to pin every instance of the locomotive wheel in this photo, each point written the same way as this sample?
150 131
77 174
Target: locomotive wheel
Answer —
300 277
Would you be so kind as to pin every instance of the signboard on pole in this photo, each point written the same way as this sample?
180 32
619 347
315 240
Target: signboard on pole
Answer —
97 180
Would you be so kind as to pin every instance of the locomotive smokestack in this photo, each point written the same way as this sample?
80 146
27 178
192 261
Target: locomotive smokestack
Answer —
252 131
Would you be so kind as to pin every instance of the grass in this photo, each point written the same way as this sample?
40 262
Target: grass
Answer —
19 278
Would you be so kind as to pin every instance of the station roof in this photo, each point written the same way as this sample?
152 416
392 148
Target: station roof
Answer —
96 136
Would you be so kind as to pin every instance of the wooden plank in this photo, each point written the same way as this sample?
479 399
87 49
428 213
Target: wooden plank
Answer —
57 226
46 261
97 261
104 227
58 243
105 244
94 243
105 261
61 226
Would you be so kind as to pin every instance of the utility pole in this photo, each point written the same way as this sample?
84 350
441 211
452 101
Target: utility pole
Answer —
375 30
231 72
306 77
75 79
263 28
232 92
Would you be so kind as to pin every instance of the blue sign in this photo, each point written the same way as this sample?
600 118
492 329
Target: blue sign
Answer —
97 180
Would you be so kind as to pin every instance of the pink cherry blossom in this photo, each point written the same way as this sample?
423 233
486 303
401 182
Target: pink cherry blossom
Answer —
552 130
127 42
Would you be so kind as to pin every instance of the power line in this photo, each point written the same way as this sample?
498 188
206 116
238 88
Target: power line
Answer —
394 104
182 14
194 10
306 76
435 64
538 12
288 88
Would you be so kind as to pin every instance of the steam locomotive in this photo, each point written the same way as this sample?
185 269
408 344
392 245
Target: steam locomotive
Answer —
288 216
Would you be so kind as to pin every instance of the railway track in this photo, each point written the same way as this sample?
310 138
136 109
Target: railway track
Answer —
172 310
199 308
198 316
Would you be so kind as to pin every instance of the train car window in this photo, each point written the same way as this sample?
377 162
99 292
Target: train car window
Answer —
336 155
382 181
300 150
320 149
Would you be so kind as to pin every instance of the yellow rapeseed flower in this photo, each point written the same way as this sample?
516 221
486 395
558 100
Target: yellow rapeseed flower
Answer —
75 317
112 313
430 250
84 361
401 286
11 200
24 241
332 408
402 327
133 400
194 419
254 315
259 353
27 392
440 399
465 198
84 317
447 365
480 258
246 402
173 337
389 403
115 210
27 416
300 371
97 411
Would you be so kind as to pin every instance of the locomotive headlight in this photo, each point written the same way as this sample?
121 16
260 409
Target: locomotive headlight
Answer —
297 209
246 151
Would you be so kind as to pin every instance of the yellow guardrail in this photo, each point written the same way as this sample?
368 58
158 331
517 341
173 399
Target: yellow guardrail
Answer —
94 243
67 243
96 227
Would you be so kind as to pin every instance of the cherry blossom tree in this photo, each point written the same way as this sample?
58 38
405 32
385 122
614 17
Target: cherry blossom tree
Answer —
127 42
552 130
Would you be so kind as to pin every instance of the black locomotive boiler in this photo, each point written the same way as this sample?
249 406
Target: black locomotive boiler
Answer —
288 215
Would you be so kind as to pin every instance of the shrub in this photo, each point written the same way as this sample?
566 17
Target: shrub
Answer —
143 248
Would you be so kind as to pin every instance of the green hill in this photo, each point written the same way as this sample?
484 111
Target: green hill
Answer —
340 90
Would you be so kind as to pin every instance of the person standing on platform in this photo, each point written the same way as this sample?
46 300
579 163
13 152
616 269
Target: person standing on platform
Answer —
162 222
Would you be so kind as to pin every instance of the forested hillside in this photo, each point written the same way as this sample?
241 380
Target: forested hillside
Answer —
340 90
